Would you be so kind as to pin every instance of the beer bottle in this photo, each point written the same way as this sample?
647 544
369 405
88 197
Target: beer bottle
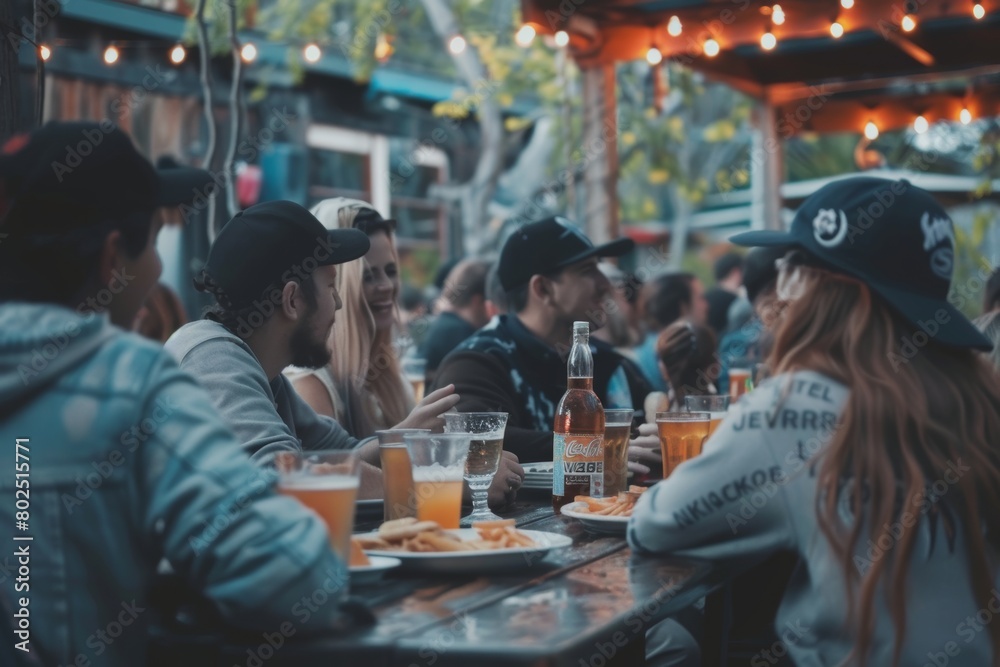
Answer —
578 432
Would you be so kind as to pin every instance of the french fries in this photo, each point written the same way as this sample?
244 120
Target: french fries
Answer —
621 506
428 537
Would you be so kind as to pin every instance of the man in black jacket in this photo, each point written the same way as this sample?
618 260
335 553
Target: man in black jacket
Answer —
517 363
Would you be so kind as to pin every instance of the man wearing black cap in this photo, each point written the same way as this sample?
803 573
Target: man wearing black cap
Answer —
516 363
120 460
272 272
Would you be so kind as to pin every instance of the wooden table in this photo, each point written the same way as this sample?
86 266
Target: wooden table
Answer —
586 604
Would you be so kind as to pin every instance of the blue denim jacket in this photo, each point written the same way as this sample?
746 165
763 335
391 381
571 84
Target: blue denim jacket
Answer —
128 464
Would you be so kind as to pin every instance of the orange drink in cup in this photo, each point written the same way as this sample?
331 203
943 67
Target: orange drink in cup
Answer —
681 437
438 461
397 473
716 406
326 483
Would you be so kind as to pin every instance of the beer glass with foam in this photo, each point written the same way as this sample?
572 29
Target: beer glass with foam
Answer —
617 432
681 436
485 446
397 473
438 461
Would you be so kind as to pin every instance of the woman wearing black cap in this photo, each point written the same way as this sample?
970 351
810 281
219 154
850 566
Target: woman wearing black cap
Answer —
872 453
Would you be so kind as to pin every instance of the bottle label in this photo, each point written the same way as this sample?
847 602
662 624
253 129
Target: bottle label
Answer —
578 459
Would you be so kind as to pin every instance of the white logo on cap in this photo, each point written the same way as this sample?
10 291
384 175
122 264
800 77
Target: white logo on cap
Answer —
937 231
830 230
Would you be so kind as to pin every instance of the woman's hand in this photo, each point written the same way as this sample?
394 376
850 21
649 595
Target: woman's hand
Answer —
509 477
428 412
644 451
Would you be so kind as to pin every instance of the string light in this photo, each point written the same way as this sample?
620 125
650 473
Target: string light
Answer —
965 116
768 41
653 56
908 24
837 30
248 53
920 125
846 4
456 44
45 52
871 131
710 47
674 27
525 36
383 48
777 15
312 53
977 11
111 55
562 38
177 54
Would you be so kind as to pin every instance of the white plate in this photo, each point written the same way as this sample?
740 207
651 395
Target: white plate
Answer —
367 574
478 561
612 525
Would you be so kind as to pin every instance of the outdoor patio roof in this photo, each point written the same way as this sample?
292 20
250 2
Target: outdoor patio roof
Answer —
950 60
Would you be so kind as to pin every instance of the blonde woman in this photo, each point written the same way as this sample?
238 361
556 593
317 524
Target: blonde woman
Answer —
363 387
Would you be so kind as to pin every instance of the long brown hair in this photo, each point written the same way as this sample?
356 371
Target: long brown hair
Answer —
914 407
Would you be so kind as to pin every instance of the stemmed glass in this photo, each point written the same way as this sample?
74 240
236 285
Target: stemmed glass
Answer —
486 430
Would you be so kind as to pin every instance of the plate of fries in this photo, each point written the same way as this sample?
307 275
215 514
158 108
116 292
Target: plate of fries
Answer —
491 545
605 515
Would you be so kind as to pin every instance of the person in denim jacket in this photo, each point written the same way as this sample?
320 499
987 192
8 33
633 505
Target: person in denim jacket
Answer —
125 460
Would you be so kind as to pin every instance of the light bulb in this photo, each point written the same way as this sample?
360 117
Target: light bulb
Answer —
562 38
674 27
177 54
920 125
965 116
909 24
837 30
111 55
977 11
653 56
248 52
710 47
456 44
312 53
846 4
768 41
45 52
525 36
871 131
777 15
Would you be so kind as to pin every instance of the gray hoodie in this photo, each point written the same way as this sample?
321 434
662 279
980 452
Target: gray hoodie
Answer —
267 416
124 462
752 493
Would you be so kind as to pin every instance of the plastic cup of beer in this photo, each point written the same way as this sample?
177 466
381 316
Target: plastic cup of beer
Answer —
617 433
397 473
415 370
485 446
681 436
327 483
740 378
438 461
717 406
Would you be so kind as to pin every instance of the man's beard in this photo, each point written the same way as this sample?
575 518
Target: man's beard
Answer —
307 351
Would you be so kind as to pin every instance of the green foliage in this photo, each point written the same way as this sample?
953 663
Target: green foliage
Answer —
217 22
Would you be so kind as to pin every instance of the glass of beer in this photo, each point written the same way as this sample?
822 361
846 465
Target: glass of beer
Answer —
438 461
617 432
485 446
327 483
415 370
717 406
397 473
681 436
740 380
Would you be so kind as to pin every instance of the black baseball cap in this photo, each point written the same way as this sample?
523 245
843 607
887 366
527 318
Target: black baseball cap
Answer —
548 246
759 270
891 235
273 242
64 176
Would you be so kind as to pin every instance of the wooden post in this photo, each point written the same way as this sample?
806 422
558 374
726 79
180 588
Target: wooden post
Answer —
767 169
600 154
